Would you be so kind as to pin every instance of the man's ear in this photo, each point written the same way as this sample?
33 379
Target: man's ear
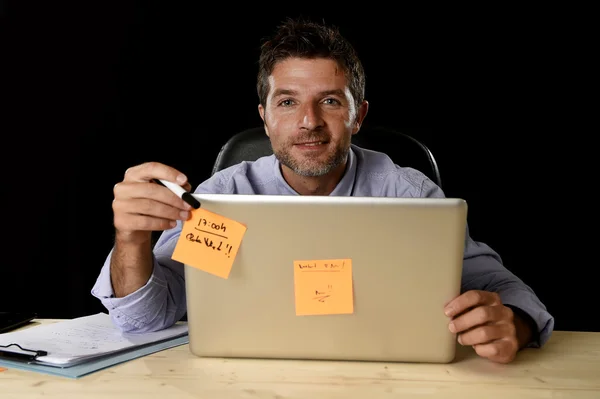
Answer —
360 116
261 111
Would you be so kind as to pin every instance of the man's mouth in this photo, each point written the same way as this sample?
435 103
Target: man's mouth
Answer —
312 143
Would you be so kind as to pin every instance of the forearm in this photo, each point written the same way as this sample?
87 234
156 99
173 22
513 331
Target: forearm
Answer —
482 270
156 305
130 266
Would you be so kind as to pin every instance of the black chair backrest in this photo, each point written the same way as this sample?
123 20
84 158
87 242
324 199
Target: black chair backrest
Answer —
404 150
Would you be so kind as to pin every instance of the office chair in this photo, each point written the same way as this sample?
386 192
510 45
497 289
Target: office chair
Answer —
404 150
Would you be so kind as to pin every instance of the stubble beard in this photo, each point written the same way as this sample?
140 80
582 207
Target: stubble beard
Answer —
312 167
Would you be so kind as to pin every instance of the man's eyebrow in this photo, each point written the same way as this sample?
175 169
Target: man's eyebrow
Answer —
335 92
284 92
289 92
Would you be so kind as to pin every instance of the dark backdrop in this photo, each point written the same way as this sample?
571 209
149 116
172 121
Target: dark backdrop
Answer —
92 90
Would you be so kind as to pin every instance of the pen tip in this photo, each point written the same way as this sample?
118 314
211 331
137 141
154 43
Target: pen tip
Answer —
189 198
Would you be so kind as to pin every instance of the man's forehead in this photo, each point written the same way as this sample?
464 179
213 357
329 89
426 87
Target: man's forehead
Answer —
300 65
314 75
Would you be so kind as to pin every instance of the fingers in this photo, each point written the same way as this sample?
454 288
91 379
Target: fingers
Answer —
145 214
481 320
125 221
501 351
154 170
486 334
496 339
129 222
471 299
149 207
127 190
479 316
141 205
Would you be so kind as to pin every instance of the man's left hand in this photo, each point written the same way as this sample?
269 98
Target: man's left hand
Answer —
481 320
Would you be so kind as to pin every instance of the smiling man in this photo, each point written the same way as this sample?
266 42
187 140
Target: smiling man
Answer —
310 116
311 98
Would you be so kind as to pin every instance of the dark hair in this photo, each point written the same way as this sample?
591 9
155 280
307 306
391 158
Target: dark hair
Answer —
306 39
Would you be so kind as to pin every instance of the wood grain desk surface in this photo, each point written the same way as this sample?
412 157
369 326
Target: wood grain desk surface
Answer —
567 367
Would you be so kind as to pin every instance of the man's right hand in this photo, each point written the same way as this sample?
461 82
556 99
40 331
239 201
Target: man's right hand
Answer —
141 206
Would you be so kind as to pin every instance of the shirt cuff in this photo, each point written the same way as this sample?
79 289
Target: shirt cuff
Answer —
131 312
542 320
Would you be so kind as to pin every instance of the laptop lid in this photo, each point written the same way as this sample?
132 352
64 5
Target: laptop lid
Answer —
405 260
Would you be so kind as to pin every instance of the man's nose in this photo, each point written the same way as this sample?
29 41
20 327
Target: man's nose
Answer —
310 117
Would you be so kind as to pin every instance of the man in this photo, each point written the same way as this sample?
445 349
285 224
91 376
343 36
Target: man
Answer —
311 90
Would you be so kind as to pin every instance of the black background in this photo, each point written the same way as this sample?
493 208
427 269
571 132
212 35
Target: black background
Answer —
90 90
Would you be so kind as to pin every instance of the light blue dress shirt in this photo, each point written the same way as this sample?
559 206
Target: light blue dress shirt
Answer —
162 301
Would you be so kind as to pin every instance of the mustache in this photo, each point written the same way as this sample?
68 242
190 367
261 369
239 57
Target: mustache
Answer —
309 137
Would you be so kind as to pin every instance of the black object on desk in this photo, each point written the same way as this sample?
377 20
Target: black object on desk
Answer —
12 320
32 355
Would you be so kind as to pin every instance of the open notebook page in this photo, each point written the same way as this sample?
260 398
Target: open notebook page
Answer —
72 341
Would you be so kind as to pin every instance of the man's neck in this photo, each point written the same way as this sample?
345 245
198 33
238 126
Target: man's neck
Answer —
319 185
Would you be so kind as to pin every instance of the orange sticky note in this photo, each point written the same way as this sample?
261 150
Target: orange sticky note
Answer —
323 287
209 242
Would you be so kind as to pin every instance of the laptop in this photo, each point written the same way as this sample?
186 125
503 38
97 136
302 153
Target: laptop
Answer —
405 256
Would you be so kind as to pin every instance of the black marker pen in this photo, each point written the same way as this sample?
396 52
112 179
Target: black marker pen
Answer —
181 193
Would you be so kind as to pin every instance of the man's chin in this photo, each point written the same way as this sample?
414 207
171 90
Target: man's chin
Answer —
311 172
308 169
307 165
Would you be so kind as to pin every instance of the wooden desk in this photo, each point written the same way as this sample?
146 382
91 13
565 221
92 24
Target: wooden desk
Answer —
567 367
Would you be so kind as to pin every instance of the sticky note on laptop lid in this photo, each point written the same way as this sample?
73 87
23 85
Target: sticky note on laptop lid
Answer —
323 287
209 242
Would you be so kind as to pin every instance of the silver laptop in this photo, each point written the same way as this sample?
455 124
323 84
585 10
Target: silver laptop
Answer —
406 258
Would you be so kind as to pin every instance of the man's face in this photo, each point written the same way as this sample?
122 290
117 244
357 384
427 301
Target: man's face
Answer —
310 115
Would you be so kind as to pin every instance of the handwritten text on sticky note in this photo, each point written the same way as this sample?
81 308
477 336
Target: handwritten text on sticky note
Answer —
323 287
209 242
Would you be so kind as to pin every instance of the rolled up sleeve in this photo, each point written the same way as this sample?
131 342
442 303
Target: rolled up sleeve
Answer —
160 303
483 270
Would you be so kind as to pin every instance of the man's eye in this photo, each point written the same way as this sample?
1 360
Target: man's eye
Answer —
286 103
332 101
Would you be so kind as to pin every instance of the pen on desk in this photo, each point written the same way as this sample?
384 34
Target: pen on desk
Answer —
181 193
19 355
